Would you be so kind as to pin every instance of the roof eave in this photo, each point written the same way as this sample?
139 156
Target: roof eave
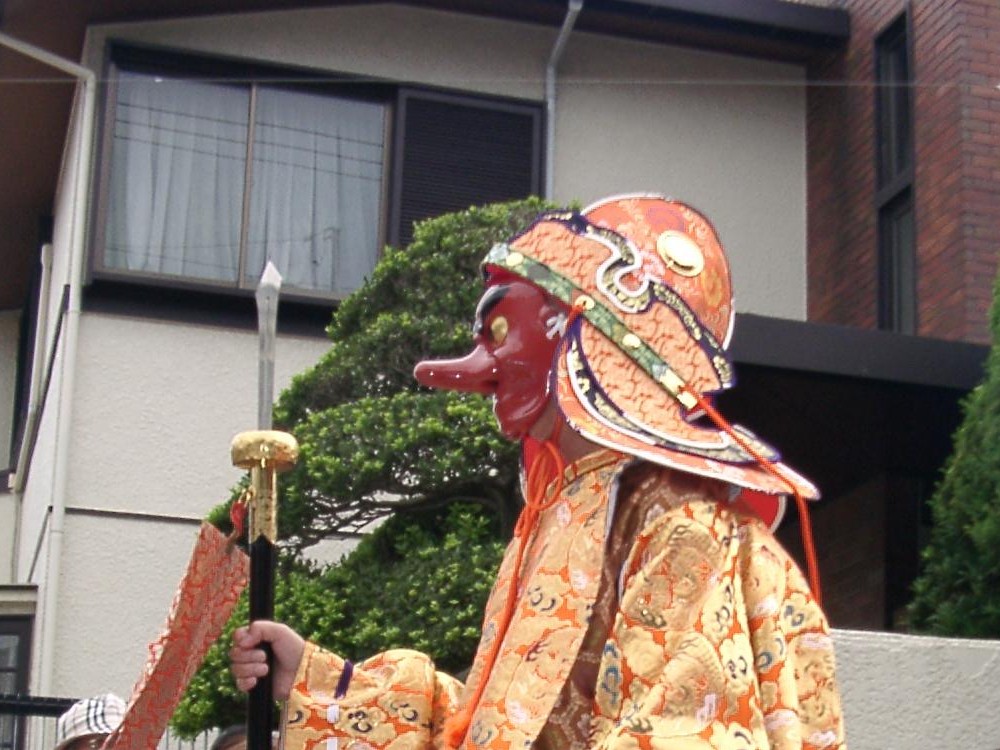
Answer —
857 353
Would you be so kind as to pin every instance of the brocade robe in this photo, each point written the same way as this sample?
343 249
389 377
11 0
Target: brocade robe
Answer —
652 613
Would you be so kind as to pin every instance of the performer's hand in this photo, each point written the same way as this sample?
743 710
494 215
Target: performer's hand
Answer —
248 662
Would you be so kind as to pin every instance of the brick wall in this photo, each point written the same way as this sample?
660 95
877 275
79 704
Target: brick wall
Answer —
956 51
843 268
850 534
937 103
980 155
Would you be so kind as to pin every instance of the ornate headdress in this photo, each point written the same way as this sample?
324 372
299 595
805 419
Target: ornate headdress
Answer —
646 347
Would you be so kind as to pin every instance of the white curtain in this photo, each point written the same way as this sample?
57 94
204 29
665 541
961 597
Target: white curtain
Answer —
177 182
177 172
315 204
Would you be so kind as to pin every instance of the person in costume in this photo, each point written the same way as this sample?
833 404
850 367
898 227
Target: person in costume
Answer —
643 601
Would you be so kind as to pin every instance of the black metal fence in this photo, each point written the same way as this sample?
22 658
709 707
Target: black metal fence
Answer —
19 714
28 722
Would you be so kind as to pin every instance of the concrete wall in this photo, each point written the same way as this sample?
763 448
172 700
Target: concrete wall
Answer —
157 405
8 519
724 133
905 692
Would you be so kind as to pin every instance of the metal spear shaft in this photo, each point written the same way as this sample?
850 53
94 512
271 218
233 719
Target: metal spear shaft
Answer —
265 452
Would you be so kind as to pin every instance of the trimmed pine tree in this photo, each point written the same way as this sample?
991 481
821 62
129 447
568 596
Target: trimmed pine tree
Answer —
958 590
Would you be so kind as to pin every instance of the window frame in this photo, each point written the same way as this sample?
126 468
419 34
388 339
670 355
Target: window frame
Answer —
894 194
156 61
394 95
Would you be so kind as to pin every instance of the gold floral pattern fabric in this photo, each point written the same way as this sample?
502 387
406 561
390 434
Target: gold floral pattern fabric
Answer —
681 624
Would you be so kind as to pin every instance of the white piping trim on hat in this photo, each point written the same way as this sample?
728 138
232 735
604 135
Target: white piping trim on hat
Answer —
724 440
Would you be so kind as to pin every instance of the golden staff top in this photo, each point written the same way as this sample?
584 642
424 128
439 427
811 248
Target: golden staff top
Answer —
264 453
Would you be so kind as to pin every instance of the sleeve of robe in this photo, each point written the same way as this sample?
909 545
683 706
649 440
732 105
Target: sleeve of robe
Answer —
395 700
717 643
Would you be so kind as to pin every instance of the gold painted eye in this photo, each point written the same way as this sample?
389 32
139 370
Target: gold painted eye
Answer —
498 329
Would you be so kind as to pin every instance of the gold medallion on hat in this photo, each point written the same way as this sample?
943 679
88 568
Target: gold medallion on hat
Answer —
681 254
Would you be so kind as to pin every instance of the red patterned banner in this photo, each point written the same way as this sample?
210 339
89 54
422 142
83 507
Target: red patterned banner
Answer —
215 577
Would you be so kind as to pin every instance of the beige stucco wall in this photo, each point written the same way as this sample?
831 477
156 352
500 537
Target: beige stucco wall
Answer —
904 692
115 589
8 518
31 554
724 133
157 405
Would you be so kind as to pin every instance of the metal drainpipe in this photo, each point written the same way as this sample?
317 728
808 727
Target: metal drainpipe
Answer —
60 468
572 11
38 363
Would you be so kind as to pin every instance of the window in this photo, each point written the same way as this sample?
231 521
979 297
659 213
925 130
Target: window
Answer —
209 177
898 272
467 155
894 192
894 129
209 171
15 644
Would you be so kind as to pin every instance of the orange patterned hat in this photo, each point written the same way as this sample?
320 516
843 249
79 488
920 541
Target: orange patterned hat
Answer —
649 345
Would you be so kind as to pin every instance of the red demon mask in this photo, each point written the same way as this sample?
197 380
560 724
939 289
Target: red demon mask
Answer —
517 331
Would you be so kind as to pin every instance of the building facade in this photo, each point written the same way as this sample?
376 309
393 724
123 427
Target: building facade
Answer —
846 153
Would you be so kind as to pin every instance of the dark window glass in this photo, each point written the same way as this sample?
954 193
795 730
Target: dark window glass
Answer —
897 305
457 152
893 78
15 642
898 272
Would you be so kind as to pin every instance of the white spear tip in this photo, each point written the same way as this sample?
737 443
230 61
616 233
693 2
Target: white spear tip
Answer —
270 280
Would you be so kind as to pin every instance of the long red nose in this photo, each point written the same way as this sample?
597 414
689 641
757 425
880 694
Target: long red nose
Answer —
475 372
